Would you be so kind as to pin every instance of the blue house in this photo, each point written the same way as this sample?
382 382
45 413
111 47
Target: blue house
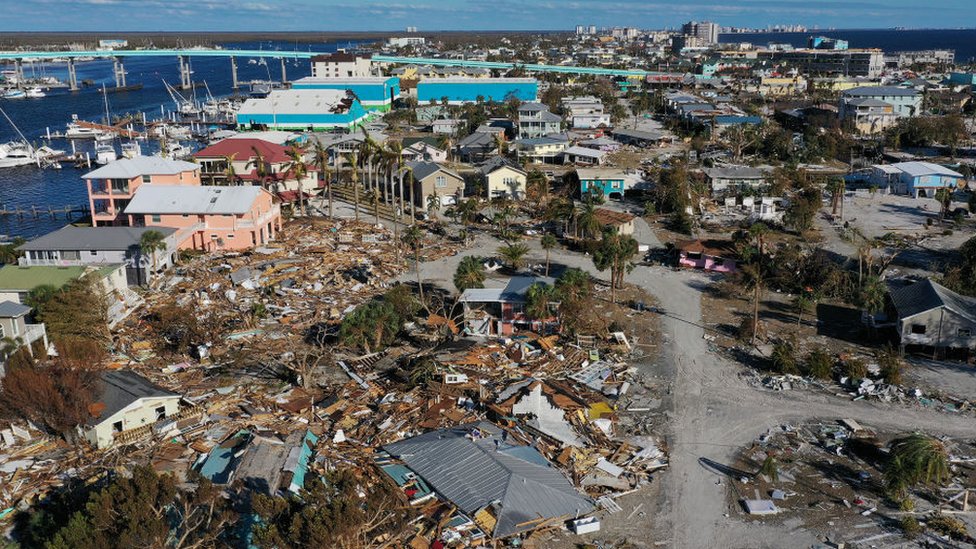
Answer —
915 178
375 93
304 109
608 182
468 90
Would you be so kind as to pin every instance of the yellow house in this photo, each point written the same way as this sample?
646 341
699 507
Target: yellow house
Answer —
127 401
779 86
503 180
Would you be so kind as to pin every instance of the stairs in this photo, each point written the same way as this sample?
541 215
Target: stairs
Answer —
345 193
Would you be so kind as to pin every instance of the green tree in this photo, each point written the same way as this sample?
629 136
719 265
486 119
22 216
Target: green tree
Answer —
820 364
230 173
548 242
352 158
587 223
151 243
514 254
77 311
615 252
784 357
261 167
915 459
433 204
944 197
871 296
537 300
574 285
470 273
144 510
337 510
370 327
890 364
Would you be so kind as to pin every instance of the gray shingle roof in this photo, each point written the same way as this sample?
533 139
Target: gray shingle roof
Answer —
10 309
879 91
475 466
926 295
120 388
184 199
422 170
127 168
92 238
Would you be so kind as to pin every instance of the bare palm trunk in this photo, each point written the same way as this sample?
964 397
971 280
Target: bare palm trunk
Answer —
420 282
547 262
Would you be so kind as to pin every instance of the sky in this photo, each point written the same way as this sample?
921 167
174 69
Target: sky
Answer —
431 15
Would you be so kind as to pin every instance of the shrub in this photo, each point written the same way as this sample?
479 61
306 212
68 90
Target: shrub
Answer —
820 364
891 366
784 357
855 369
947 526
911 527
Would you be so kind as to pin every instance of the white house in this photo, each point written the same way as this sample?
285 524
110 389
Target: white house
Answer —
342 65
126 401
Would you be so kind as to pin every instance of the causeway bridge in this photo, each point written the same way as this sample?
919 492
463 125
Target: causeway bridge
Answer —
183 56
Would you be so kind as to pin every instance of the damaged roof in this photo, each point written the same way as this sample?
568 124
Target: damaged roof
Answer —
476 466
926 295
117 389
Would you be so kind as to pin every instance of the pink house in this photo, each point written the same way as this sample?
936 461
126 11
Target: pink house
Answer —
208 218
709 255
111 187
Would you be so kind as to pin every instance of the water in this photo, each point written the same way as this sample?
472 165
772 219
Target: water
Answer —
29 186
963 41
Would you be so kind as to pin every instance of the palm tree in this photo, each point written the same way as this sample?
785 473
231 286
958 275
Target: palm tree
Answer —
352 159
574 284
433 204
321 156
616 253
836 189
151 242
915 459
944 196
537 189
230 173
299 170
261 167
9 346
758 231
414 239
548 242
470 273
537 300
587 223
514 254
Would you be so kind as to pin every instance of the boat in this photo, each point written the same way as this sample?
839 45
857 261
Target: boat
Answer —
76 131
36 93
15 154
14 94
131 149
105 154
175 151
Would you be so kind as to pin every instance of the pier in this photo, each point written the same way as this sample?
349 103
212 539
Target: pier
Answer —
69 212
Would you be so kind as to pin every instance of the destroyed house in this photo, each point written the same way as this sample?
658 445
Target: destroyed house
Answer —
126 401
931 315
500 311
708 255
263 462
508 488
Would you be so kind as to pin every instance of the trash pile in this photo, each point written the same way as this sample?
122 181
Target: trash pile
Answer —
565 409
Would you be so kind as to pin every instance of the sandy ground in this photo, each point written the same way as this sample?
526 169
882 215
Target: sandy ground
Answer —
714 412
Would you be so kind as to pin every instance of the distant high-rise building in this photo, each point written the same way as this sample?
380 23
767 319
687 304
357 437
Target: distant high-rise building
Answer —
705 31
591 29
580 30
411 29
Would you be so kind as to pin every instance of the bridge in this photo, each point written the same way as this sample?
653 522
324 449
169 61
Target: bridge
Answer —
183 56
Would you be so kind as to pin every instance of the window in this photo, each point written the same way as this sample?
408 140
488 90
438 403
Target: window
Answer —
160 413
147 179
694 256
918 328
440 182
93 252
156 218
71 255
117 427
2 333
964 332
230 235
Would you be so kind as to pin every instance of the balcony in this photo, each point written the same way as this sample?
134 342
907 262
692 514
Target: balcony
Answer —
35 332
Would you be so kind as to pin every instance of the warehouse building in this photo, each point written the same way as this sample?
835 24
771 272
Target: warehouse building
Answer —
375 93
302 110
469 90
